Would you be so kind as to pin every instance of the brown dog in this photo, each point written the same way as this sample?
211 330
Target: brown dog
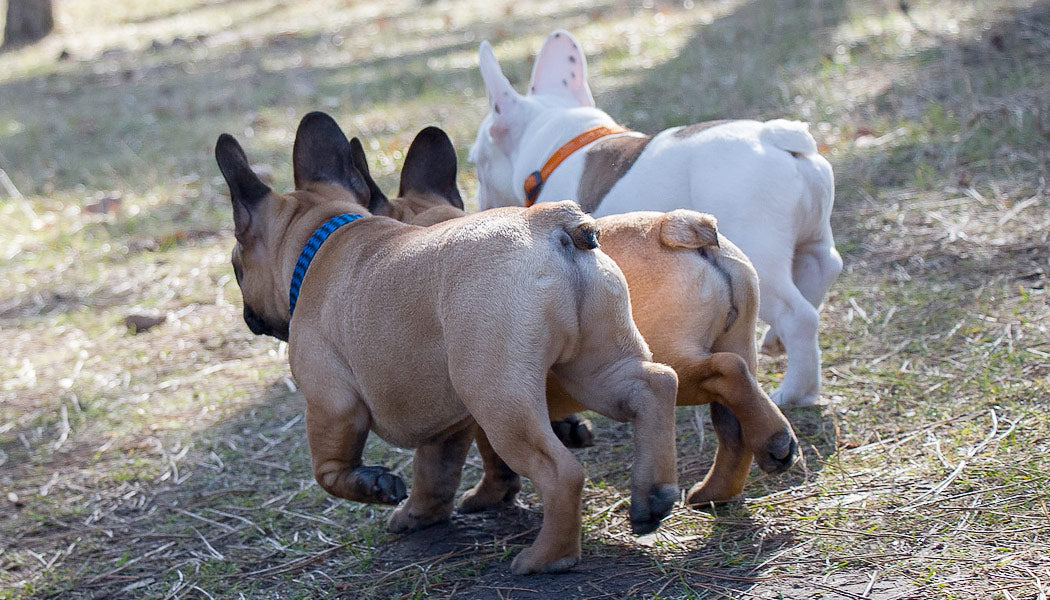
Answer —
694 297
424 334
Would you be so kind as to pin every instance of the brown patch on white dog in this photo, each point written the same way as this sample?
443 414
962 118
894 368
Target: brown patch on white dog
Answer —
695 128
605 162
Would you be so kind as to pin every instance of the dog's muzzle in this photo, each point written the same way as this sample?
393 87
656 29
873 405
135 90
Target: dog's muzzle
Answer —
261 326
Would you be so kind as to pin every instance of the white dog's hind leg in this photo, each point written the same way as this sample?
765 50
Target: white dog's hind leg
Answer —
814 270
770 343
795 321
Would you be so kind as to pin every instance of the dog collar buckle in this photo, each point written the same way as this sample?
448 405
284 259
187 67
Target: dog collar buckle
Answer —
534 182
533 185
310 249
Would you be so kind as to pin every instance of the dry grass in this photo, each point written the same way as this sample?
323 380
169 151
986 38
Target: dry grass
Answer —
171 463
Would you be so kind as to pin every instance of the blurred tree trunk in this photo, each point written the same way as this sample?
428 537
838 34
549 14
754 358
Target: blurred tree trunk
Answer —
27 21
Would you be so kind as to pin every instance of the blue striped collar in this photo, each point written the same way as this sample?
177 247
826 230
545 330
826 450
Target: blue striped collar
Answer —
308 252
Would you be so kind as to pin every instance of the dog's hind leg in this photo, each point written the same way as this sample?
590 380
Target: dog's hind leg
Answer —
337 425
642 393
746 422
815 268
499 484
529 447
724 482
436 470
510 406
795 321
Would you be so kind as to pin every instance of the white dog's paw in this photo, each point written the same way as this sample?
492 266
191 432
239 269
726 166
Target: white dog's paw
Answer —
770 344
783 401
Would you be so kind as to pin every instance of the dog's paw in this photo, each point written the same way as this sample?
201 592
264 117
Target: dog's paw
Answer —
380 485
703 496
574 431
770 344
778 454
783 401
403 521
646 515
531 560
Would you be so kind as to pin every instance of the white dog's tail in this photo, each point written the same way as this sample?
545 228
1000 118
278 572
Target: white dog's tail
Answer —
789 136
794 137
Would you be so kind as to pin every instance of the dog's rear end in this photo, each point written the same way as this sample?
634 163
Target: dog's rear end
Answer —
562 306
694 297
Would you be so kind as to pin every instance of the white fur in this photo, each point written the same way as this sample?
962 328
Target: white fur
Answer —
765 182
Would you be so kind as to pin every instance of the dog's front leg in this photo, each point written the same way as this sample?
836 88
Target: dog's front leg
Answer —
436 470
337 425
499 484
746 422
573 430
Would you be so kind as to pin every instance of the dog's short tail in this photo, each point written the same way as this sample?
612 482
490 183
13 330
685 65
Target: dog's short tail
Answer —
789 136
688 229
571 224
584 235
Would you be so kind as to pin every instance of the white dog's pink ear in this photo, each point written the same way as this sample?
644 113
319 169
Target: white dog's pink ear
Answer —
504 102
502 96
561 69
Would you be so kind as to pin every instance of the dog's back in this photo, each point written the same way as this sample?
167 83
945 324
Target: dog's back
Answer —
538 265
539 268
693 292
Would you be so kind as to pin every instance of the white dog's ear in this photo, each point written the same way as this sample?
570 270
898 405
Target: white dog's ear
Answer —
505 103
561 69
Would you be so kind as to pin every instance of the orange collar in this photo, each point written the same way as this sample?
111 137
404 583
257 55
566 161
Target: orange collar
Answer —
534 182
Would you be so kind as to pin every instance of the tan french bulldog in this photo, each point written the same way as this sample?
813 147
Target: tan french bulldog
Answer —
694 297
424 335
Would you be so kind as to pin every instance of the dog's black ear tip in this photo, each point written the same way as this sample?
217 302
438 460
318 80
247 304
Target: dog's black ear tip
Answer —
431 139
432 131
225 143
316 114
317 118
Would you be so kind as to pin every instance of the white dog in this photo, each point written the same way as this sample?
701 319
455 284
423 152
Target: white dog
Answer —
765 182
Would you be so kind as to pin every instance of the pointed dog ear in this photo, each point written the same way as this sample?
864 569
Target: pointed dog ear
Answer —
321 153
246 189
378 203
561 70
430 166
507 110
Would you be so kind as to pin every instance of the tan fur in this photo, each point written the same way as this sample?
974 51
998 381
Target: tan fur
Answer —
423 209
424 335
698 315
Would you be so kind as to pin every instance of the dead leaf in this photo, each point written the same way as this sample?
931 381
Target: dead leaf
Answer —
138 323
